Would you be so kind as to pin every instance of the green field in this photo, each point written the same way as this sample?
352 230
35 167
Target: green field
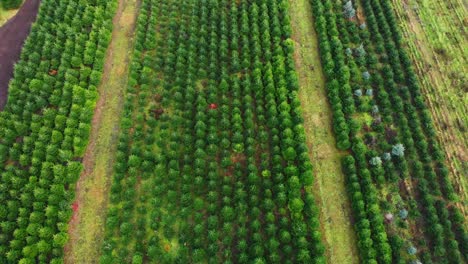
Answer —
237 131
330 191
239 188
5 15
87 229
436 35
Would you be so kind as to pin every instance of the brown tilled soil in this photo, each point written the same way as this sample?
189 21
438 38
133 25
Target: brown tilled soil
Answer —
12 36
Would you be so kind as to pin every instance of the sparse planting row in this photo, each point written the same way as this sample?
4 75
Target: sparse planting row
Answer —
212 164
396 164
45 126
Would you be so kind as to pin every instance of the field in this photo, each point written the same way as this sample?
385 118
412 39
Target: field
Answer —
246 131
5 15
87 225
401 192
233 171
336 215
46 125
13 34
438 51
8 11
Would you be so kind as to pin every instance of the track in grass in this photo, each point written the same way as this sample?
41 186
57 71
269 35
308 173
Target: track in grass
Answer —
336 216
45 126
434 32
212 164
5 15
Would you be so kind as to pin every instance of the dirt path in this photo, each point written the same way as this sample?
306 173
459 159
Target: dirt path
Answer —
87 225
335 218
12 36
438 95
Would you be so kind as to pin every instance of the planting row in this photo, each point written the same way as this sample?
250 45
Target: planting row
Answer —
403 201
10 4
45 126
212 164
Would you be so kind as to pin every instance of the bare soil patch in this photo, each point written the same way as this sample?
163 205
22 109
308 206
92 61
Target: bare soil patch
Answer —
12 36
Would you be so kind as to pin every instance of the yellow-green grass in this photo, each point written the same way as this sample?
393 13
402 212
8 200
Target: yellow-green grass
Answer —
435 34
330 191
87 231
5 15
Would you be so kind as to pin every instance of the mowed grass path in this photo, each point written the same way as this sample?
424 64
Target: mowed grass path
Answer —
87 226
330 190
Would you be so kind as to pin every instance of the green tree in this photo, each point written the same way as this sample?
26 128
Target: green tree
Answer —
11 4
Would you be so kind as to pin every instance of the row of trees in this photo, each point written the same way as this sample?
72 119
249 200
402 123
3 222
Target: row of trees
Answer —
45 127
336 71
349 80
234 190
356 60
422 133
419 103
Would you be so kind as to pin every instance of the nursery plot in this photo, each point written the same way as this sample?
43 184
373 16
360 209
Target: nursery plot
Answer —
329 187
86 227
436 35
5 15
212 164
8 9
45 126
202 136
404 204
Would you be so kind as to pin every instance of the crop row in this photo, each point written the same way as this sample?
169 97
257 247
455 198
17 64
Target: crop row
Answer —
374 93
212 164
45 126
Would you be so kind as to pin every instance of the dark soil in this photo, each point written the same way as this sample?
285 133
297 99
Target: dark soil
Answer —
12 36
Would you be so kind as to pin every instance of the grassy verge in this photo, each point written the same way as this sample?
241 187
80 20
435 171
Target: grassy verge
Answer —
330 190
435 37
6 14
87 227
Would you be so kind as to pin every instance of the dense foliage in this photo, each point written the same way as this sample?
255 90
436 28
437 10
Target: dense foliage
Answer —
10 4
212 165
45 126
396 165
